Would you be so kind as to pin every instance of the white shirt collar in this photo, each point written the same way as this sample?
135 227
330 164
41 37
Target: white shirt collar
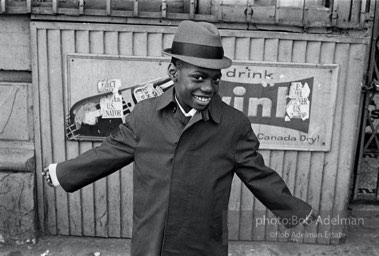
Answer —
190 113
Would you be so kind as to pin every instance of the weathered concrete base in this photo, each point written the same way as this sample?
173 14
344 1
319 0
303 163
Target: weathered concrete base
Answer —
17 207
361 241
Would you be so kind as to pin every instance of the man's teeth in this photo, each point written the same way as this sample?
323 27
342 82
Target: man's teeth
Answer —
203 99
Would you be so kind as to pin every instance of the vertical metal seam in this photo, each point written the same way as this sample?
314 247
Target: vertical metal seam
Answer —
323 169
306 60
51 156
334 13
81 7
37 129
90 50
147 35
252 210
28 6
267 213
135 9
119 171
64 116
64 120
146 38
132 35
118 43
312 154
164 9
249 11
103 34
340 136
305 14
3 6
121 200
108 7
54 6
320 197
362 16
270 155
268 151
103 51
192 9
277 11
220 10
295 185
240 188
75 34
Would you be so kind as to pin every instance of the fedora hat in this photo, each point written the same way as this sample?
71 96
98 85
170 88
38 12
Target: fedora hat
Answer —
198 43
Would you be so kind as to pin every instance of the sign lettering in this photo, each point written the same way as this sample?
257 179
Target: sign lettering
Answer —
290 106
270 105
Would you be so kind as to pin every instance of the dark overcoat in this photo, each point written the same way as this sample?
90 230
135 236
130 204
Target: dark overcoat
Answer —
183 174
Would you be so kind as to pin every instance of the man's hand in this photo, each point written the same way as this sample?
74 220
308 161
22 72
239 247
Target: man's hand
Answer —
311 218
46 174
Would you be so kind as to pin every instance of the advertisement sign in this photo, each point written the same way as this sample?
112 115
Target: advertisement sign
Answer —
290 105
102 90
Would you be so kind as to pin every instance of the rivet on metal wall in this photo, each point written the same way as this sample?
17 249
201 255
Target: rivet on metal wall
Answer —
164 8
249 12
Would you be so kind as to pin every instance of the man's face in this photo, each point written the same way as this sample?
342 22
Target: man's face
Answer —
195 86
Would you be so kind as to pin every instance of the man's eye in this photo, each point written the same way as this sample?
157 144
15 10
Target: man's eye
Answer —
216 80
199 78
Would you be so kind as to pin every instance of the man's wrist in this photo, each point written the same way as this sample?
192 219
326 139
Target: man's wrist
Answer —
312 216
53 175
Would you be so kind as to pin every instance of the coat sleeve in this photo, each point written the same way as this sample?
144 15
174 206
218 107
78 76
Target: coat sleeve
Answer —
265 183
114 153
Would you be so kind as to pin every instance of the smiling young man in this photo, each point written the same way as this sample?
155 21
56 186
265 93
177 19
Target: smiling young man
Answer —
194 86
186 146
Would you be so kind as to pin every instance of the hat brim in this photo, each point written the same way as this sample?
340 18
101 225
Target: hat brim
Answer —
225 62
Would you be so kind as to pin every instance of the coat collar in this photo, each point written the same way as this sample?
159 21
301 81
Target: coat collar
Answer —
213 110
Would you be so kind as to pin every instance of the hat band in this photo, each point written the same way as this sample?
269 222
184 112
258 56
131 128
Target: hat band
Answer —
197 50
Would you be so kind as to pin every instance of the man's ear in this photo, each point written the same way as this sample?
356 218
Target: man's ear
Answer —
173 72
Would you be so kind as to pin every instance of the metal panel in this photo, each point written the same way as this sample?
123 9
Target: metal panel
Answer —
14 41
105 208
16 128
14 105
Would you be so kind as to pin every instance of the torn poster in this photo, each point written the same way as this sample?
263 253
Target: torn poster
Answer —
146 92
87 114
94 117
299 104
108 85
111 106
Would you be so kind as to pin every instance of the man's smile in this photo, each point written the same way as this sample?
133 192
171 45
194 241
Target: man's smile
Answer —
203 99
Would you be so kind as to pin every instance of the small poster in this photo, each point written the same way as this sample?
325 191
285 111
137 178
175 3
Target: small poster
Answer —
299 105
111 106
147 91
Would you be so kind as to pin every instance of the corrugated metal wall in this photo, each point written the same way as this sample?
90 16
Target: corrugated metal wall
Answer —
104 208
